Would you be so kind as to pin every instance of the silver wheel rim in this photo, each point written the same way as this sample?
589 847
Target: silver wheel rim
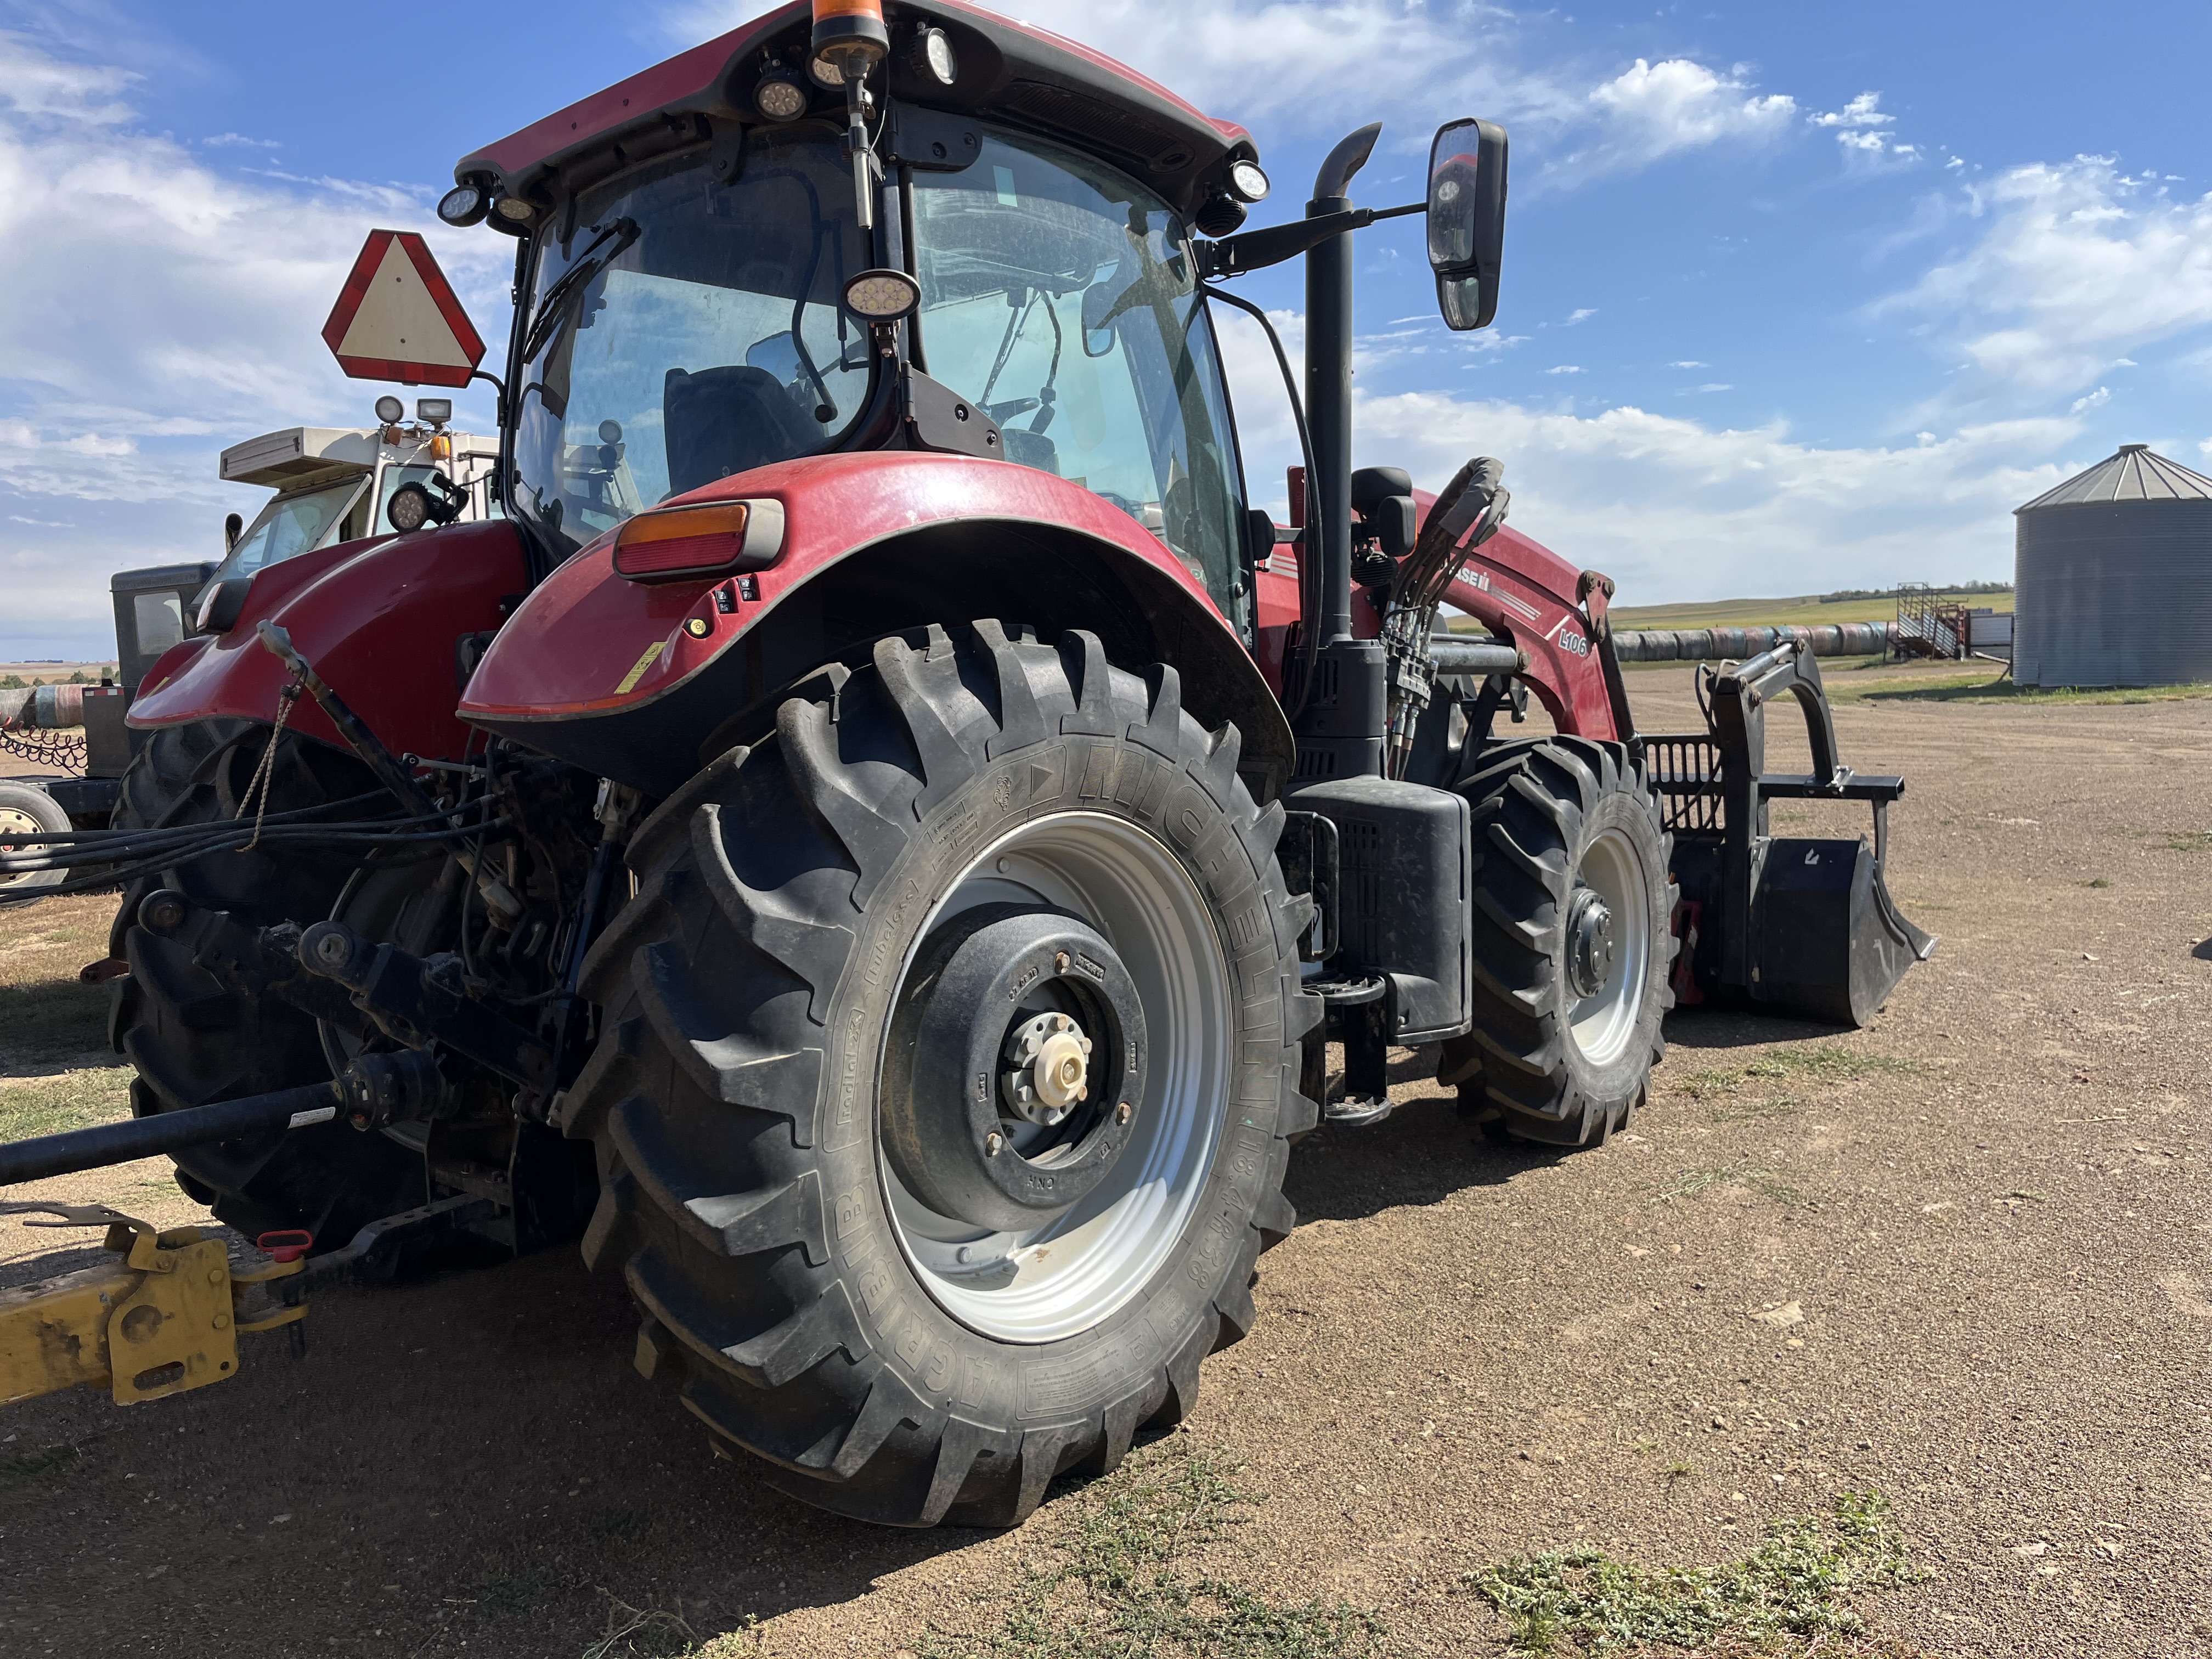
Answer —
1604 1022
1067 1277
13 821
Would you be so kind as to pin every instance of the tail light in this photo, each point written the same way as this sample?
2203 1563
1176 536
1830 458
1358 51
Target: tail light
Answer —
681 542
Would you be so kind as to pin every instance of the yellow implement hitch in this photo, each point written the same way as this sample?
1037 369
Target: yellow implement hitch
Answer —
163 1319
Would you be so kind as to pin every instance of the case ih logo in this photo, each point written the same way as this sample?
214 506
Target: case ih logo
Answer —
396 318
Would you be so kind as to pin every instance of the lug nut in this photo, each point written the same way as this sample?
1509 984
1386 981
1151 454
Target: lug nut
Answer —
1123 1113
1059 962
993 1144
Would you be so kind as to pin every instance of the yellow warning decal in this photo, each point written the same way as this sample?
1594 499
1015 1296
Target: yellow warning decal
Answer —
629 680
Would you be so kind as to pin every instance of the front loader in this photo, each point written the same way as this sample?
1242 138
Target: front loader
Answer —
879 837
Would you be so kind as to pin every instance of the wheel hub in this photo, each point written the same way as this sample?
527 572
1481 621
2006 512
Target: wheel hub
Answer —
1589 944
16 821
1051 1061
1037 1003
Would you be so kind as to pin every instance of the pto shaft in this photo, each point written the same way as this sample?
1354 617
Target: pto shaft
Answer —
167 1132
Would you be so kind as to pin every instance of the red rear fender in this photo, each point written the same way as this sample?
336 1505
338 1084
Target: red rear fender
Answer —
382 621
640 682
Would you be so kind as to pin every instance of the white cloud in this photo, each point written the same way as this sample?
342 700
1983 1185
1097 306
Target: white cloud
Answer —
1651 110
156 311
1864 111
239 141
2096 400
2075 263
1715 386
1857 128
1677 510
35 86
1582 316
1564 369
1689 362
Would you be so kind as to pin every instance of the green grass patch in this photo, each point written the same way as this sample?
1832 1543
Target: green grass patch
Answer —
1117 1587
53 1106
1796 1585
1752 1110
1987 688
2190 841
1827 1066
53 1020
1751 1177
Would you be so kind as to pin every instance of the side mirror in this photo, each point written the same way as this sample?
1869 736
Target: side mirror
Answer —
1467 220
233 528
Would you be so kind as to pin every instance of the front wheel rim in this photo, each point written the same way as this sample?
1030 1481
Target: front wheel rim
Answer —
1603 1024
1076 1270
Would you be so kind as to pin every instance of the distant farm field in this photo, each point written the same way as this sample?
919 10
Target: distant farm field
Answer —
1806 611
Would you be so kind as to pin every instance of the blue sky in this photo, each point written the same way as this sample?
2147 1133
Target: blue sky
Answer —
1796 297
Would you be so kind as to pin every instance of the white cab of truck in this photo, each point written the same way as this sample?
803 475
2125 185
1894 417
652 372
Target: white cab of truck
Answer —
335 485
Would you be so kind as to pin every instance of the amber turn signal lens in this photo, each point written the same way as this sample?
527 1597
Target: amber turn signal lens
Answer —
684 541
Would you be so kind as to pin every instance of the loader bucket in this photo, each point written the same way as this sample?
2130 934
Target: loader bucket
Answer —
1829 941
1794 925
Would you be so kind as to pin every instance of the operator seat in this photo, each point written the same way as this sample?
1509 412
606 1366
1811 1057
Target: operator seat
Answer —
721 421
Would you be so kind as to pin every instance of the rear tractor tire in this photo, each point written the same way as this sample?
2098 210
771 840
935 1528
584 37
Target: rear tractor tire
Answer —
1573 949
196 1042
948 1075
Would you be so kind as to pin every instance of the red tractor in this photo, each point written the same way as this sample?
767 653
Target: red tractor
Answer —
879 837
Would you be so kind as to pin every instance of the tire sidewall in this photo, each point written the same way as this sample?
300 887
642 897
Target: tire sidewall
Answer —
1625 1077
943 1359
45 811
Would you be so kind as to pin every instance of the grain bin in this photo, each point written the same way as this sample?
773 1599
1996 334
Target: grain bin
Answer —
2114 577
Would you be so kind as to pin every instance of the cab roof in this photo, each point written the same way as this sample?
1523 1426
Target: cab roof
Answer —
1009 71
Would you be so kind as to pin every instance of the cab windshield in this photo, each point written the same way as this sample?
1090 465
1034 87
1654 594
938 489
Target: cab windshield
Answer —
1060 296
680 331
290 526
685 330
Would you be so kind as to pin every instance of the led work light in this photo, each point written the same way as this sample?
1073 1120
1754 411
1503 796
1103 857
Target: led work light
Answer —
883 296
780 94
464 205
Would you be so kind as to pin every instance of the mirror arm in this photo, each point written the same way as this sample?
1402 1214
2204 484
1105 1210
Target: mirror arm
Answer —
499 390
1255 250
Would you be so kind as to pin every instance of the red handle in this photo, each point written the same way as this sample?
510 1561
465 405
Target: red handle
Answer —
287 1244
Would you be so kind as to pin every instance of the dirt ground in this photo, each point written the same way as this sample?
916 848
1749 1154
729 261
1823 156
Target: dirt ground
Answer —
1960 1257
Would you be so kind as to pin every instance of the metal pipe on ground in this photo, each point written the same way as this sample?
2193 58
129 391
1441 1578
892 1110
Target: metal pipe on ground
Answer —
1709 644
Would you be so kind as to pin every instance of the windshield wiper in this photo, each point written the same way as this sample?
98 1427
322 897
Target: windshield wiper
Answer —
554 307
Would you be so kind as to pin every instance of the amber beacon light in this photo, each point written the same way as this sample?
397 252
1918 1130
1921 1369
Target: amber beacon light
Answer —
849 30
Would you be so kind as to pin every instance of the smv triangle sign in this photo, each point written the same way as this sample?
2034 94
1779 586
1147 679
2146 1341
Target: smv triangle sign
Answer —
396 318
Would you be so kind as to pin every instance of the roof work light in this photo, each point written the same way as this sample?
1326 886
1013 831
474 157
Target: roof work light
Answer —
780 94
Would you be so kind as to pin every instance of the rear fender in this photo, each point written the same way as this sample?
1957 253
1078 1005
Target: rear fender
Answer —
382 622
645 682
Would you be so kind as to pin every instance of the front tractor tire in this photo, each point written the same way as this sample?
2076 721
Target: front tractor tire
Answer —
1573 948
948 1075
